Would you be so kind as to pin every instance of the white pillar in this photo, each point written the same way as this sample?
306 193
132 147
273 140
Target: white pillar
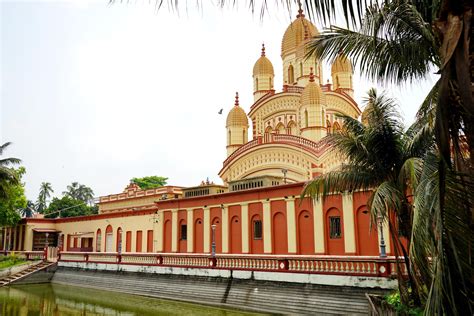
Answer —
190 232
348 223
318 221
267 227
225 229
245 227
207 230
291 224
174 230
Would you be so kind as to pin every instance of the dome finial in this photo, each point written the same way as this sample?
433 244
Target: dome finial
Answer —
300 11
236 99
311 75
263 49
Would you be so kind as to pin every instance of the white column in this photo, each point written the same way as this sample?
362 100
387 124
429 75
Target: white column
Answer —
207 229
225 229
318 221
267 227
20 240
291 224
29 238
386 236
245 227
348 223
190 224
159 232
174 230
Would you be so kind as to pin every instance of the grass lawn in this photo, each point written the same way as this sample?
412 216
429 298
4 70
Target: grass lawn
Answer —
9 261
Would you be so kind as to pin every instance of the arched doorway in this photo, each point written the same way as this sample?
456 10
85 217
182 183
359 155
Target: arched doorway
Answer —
109 239
305 233
334 232
367 240
218 234
198 236
235 235
167 236
279 233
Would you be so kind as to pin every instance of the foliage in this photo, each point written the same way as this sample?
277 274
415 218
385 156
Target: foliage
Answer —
150 182
69 207
80 192
383 159
10 261
395 302
7 174
28 210
15 200
44 194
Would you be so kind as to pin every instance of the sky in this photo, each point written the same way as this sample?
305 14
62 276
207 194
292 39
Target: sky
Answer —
99 93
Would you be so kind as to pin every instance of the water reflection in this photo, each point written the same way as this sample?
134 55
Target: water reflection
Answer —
63 300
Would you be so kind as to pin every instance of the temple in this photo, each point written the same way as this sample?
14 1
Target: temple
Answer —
258 209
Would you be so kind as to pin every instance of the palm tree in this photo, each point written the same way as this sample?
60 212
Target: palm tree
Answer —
80 192
383 159
29 210
7 174
44 194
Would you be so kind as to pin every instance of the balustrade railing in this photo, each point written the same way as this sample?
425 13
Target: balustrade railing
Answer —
321 264
28 255
315 147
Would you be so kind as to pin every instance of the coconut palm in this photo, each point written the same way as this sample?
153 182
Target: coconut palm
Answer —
384 159
7 174
80 192
29 210
44 194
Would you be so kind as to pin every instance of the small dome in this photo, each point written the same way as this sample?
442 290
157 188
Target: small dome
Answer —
296 33
312 93
263 66
237 116
341 64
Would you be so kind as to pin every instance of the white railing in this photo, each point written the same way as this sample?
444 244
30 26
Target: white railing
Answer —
317 264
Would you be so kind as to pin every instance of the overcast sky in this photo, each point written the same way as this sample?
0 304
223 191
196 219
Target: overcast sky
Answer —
99 94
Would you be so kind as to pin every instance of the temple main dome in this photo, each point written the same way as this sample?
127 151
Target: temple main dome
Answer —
295 34
341 64
237 116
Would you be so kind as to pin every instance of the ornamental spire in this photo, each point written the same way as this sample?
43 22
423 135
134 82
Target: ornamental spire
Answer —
236 99
300 11
311 75
263 49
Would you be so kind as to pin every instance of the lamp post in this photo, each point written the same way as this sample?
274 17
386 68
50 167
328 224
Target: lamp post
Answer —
213 248
383 254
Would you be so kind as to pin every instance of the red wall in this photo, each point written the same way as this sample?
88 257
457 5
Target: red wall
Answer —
216 219
128 242
149 241
255 213
198 231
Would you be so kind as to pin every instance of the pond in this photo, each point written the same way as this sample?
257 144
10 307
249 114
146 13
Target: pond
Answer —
64 300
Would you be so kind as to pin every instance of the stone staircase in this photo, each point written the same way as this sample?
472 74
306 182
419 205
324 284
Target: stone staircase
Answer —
25 273
269 297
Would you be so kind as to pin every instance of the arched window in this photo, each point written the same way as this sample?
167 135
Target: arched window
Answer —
292 128
280 128
306 118
228 138
243 137
268 129
291 75
301 69
109 240
270 80
256 84
98 241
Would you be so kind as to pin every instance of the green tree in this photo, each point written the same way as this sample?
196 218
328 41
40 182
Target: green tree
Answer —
8 176
44 194
68 207
380 158
28 210
80 192
150 182
15 200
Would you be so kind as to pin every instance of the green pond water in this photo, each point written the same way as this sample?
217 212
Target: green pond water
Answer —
55 299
